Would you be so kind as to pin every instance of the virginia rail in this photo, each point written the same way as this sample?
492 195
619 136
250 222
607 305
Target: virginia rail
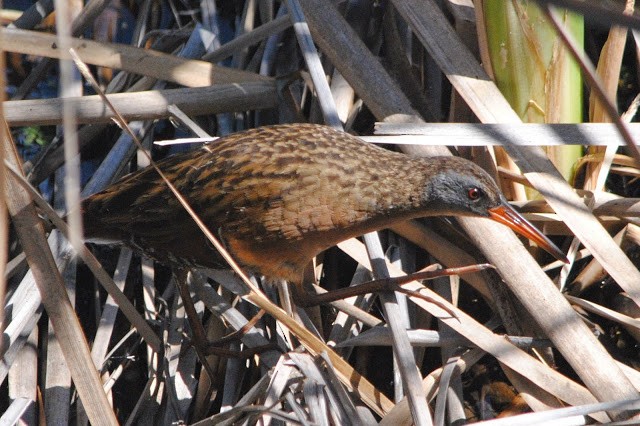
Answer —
277 196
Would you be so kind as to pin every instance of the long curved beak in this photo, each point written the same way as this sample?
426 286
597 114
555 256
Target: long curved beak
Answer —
506 215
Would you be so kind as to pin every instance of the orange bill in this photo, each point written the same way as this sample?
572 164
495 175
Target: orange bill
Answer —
506 215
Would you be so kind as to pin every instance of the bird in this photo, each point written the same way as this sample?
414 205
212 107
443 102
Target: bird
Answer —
276 196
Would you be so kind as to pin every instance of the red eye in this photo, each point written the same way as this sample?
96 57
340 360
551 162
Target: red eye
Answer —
474 193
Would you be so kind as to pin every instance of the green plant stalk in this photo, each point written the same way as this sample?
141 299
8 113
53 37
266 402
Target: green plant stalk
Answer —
534 71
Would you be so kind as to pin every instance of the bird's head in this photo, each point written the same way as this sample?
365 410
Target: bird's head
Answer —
460 187
463 188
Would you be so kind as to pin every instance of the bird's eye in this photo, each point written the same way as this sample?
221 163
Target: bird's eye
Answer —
474 193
